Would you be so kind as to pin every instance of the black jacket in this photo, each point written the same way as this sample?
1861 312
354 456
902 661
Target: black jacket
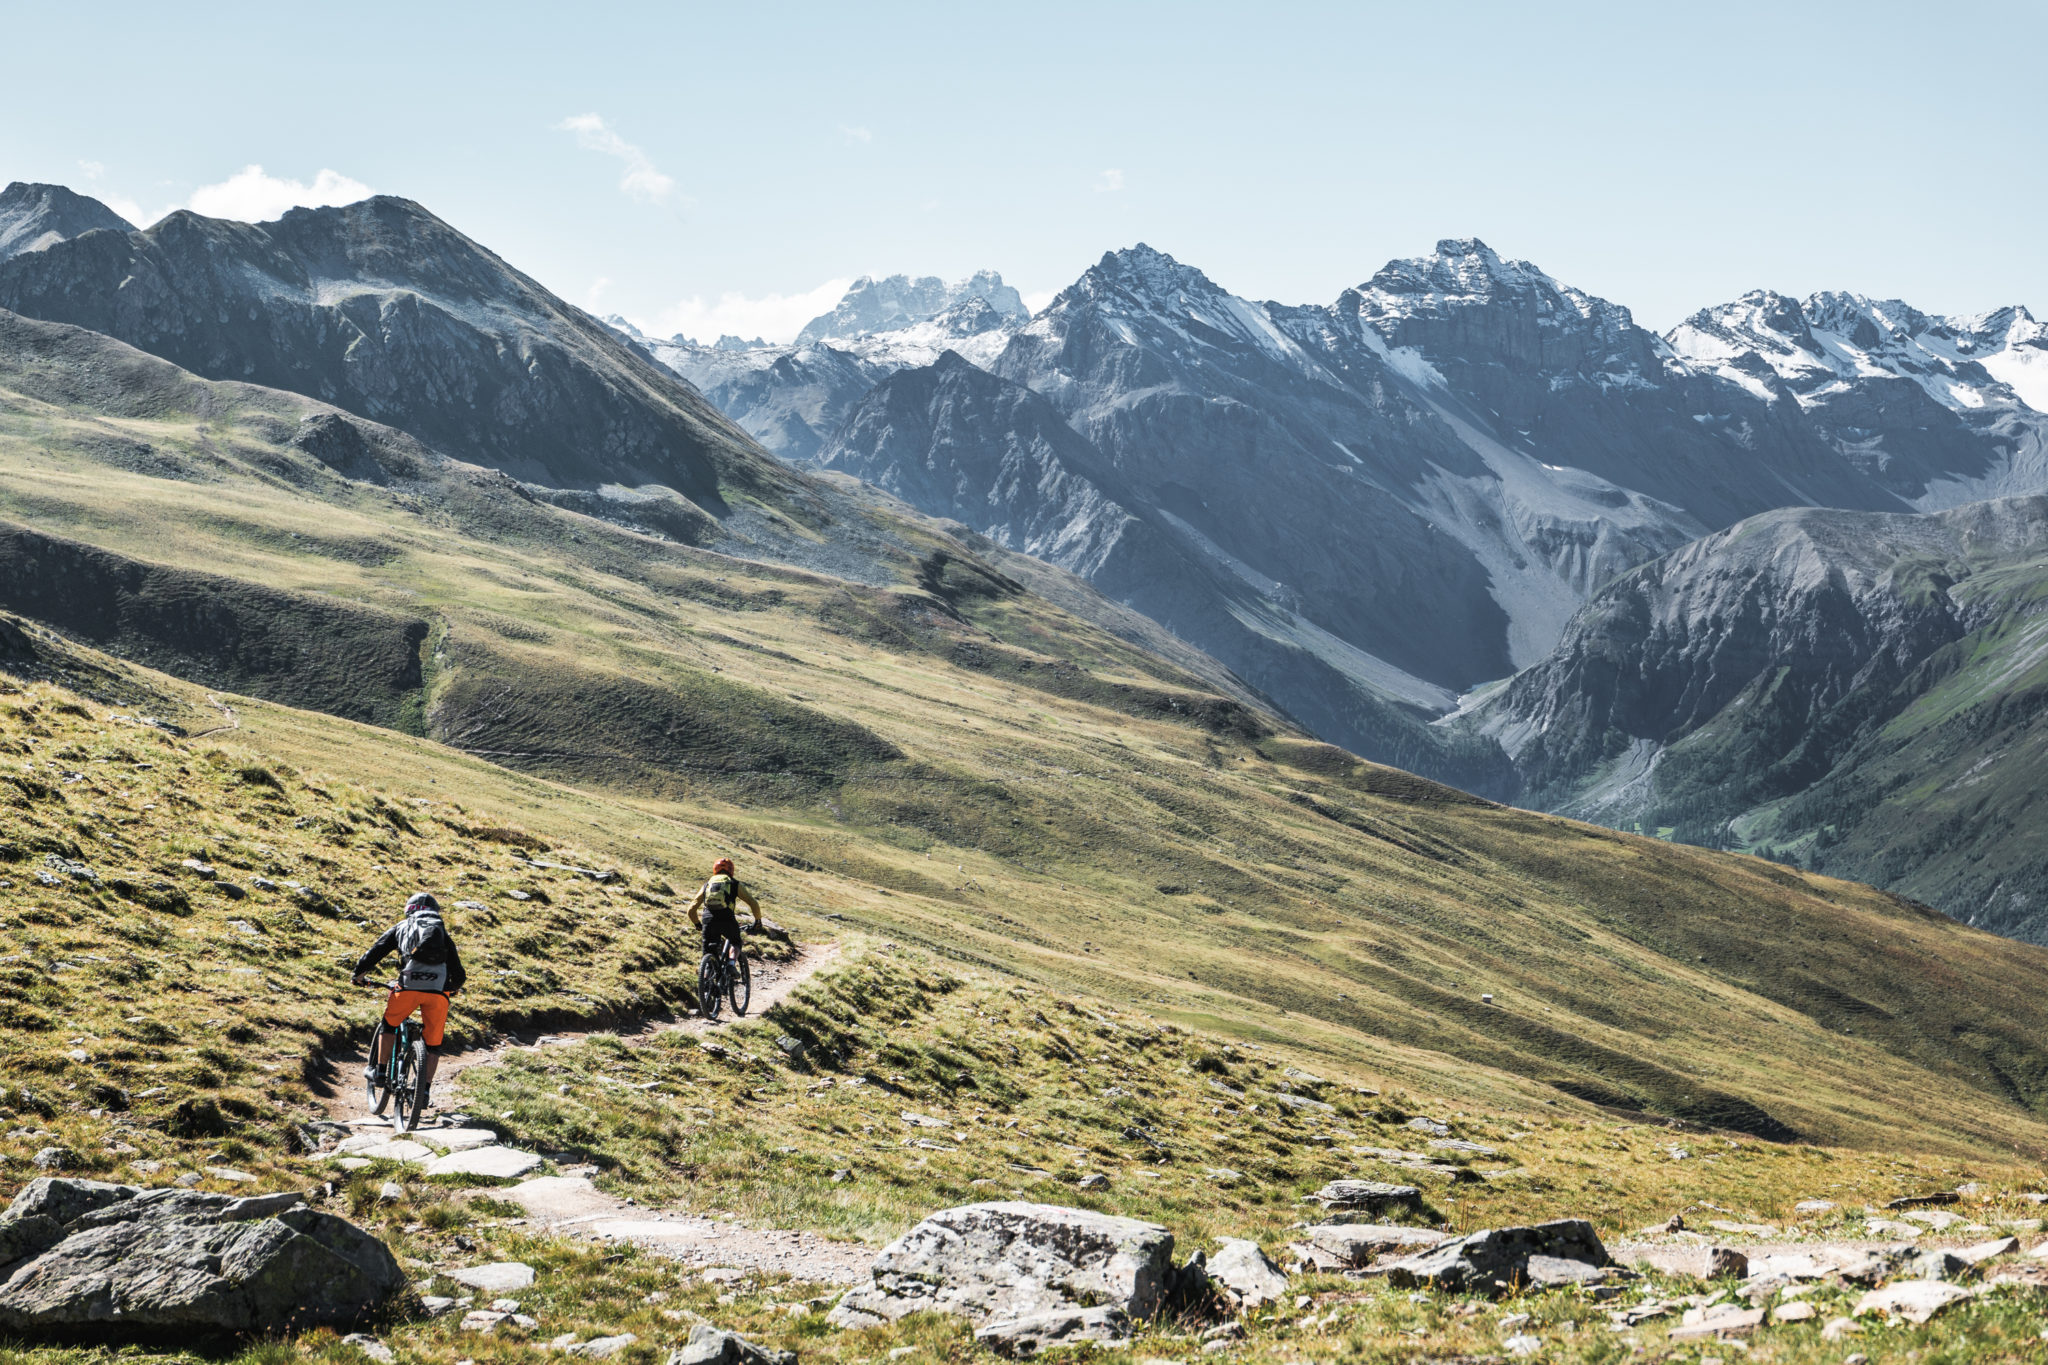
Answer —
388 945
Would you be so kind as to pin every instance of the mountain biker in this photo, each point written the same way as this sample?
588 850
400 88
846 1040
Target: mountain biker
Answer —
429 972
715 901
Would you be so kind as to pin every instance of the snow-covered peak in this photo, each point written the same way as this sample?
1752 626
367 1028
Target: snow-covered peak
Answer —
1147 298
1834 340
900 301
1464 272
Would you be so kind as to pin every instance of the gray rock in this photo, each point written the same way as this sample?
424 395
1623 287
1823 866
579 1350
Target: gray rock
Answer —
1495 1260
709 1345
1367 1196
1702 1263
53 1159
502 1162
370 1346
1021 1337
132 1263
1247 1273
1935 1263
1013 1260
1352 1245
496 1278
603 1348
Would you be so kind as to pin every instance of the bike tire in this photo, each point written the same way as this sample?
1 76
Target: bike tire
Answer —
378 1085
710 988
402 1078
739 982
416 1102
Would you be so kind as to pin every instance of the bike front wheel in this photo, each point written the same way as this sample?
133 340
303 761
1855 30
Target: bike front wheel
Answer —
739 983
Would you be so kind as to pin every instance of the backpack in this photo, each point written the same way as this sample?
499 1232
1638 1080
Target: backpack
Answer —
423 952
720 895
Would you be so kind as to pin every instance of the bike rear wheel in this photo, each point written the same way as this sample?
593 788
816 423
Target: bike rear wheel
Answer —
378 1083
710 987
416 1102
739 981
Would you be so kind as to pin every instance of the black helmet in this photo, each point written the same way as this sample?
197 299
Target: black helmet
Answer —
422 900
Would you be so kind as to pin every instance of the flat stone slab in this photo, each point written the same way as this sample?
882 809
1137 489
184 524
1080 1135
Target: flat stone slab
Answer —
379 1147
454 1139
496 1278
558 1198
1913 1300
501 1162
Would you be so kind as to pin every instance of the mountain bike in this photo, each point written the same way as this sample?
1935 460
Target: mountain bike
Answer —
724 977
398 1078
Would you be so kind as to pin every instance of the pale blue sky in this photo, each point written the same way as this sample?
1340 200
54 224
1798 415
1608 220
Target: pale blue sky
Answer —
1667 156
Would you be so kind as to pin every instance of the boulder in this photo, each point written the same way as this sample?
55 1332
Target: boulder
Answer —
88 1258
1495 1260
1246 1273
1010 1260
1367 1196
1717 1320
709 1345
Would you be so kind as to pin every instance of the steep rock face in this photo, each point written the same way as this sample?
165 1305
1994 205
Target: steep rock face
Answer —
33 217
899 301
1571 378
1940 411
1867 693
384 310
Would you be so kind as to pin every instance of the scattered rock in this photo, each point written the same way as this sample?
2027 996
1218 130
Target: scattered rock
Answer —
53 1159
454 1139
1097 1181
1837 1328
230 1174
1814 1206
1701 1263
1717 1320
1246 1273
495 1278
370 1346
1797 1311
1351 1246
710 1346
1984 1251
482 1320
1495 1260
391 1191
996 1262
1434 1127
1914 1300
89 1256
1936 1264
603 1348
1921 1201
383 1147
1367 1196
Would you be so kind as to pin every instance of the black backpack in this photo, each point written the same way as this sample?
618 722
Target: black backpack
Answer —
423 952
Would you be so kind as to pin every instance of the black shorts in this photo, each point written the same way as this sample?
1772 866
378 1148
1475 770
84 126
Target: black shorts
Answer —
718 929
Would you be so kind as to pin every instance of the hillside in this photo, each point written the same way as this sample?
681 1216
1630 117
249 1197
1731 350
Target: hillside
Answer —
1110 820
1856 693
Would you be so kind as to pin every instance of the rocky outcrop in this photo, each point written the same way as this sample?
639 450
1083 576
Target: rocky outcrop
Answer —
1367 1197
86 1258
1034 1273
1497 1260
710 1345
1245 1274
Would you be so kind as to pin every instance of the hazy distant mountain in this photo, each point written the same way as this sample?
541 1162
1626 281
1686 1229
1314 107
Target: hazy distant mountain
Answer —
33 217
899 301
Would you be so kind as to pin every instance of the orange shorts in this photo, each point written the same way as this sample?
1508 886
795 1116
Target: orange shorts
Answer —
433 1008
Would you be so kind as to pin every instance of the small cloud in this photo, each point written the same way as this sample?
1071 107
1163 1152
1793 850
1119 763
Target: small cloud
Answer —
641 180
251 196
597 288
92 170
853 135
773 317
1036 301
1109 182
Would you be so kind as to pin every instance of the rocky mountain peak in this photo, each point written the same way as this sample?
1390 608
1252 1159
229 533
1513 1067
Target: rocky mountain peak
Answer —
899 301
1149 274
33 217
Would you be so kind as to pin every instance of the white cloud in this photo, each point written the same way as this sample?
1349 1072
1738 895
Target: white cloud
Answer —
641 180
773 317
853 135
1036 301
251 196
1109 182
597 288
131 210
92 170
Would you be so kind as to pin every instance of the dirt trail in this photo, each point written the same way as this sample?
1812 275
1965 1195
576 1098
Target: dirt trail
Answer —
773 981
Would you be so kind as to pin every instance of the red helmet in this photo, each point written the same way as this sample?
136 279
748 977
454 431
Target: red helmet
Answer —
723 867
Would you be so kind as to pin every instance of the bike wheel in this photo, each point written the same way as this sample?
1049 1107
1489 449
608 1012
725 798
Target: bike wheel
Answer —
739 982
402 1079
417 1101
379 1084
709 987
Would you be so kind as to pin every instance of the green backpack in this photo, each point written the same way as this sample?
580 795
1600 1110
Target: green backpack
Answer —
720 895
